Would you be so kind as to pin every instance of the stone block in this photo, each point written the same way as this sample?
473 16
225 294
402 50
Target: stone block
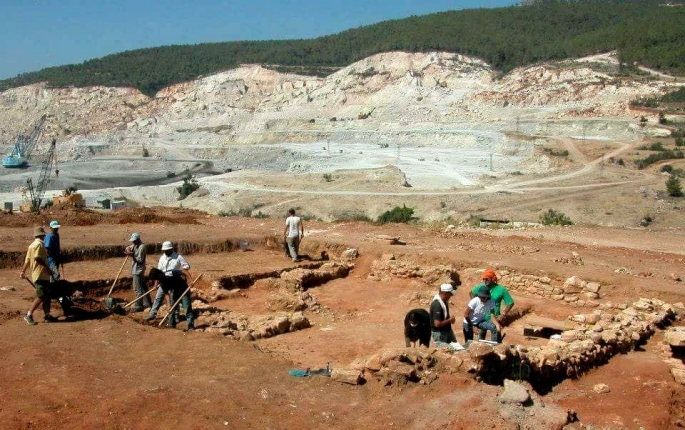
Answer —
514 393
346 376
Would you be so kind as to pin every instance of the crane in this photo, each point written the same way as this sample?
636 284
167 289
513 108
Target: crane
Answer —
37 192
24 146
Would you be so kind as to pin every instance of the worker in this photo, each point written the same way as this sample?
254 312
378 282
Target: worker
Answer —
172 264
498 294
417 328
54 251
480 312
138 252
176 286
293 233
36 259
441 321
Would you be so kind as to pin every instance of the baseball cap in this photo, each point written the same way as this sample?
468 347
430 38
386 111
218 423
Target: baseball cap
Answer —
54 224
167 246
484 292
134 237
38 231
489 274
447 288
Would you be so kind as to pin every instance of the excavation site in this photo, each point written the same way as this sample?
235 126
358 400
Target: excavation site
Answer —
280 216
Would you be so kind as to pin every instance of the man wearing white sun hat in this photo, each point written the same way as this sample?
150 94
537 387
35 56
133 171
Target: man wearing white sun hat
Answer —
172 264
441 321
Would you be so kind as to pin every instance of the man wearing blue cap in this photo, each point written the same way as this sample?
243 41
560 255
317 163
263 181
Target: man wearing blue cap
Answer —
138 251
480 312
54 250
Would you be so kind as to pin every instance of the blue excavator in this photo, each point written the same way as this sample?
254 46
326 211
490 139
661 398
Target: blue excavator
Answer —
19 157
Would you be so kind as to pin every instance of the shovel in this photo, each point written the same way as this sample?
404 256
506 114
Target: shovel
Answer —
179 300
110 303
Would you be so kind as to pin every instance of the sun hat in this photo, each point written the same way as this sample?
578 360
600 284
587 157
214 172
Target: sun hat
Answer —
167 246
483 292
489 274
38 231
447 288
54 224
134 237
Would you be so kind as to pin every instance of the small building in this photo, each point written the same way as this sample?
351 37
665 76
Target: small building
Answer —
116 204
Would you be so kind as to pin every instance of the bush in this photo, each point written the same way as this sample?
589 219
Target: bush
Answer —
563 153
667 168
146 153
621 162
657 146
673 187
397 215
552 217
663 155
679 141
189 185
327 177
662 118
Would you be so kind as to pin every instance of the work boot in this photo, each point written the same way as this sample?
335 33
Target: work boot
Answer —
29 320
49 318
150 317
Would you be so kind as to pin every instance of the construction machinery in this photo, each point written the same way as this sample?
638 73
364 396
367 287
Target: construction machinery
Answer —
69 198
21 152
37 191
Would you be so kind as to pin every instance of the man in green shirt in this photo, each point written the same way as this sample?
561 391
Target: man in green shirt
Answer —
498 293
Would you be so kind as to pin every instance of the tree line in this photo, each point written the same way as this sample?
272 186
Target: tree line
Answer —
509 37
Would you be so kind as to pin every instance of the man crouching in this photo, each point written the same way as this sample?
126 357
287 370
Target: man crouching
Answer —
480 313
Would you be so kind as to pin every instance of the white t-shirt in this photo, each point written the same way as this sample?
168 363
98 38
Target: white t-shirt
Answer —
480 310
293 223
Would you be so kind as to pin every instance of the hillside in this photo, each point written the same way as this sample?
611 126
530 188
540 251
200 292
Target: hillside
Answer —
504 37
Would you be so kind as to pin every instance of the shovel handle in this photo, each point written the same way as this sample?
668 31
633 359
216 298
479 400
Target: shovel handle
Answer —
138 298
179 300
117 278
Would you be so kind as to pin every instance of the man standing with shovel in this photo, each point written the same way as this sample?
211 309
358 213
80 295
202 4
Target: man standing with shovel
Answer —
138 251
36 259
173 266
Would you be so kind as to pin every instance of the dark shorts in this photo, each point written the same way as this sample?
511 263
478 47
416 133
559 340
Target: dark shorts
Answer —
42 289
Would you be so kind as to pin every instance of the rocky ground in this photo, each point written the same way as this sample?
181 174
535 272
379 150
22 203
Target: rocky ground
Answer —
612 293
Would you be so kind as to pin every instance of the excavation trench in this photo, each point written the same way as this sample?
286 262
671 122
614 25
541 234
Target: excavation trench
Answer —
13 259
284 315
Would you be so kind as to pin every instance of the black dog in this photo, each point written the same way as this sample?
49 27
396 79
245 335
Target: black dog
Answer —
417 327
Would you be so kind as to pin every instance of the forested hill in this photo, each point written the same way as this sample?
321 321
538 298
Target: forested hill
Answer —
641 30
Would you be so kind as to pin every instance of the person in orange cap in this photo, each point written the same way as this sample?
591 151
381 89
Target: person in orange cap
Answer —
498 294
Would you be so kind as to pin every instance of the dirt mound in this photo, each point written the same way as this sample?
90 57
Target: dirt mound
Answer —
86 217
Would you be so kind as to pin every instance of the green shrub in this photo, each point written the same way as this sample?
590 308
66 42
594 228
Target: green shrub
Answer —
663 155
673 187
327 177
552 217
662 118
667 168
679 141
189 185
397 215
562 153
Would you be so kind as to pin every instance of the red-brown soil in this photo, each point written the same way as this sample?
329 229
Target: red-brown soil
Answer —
116 373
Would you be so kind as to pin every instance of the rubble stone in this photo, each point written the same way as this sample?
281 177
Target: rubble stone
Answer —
514 393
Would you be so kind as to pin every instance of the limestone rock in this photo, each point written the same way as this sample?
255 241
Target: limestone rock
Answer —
346 376
592 287
349 255
514 393
675 336
479 350
601 389
678 375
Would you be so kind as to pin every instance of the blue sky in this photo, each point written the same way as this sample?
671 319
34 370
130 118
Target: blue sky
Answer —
41 33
